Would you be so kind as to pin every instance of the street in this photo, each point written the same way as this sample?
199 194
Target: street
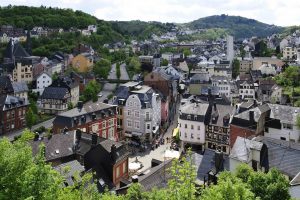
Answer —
124 74
113 73
108 89
46 124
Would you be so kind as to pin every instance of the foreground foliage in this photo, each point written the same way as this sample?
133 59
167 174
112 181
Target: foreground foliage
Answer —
24 176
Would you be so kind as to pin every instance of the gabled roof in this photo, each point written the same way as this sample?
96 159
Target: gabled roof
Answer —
242 147
55 93
74 168
14 49
20 87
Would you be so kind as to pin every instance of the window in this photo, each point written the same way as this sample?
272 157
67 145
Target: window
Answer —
137 114
147 116
148 126
128 112
189 117
192 127
195 117
185 135
287 126
192 135
111 122
137 125
124 167
185 126
130 103
104 124
180 125
129 123
198 128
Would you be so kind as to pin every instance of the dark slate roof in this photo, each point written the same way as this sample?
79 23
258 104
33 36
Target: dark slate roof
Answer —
58 146
283 155
206 162
157 176
286 114
221 112
14 49
8 102
200 77
5 84
20 87
55 93
74 169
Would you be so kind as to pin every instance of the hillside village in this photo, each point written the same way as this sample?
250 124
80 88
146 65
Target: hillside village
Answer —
230 100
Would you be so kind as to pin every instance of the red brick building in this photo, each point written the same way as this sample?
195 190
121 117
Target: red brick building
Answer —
96 118
12 114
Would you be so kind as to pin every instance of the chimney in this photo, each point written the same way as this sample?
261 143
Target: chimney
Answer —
78 135
215 106
135 179
219 161
79 105
251 116
94 139
113 152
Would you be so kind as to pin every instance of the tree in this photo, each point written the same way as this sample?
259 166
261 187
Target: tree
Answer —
164 62
133 67
265 186
102 68
30 118
91 91
229 187
187 52
235 68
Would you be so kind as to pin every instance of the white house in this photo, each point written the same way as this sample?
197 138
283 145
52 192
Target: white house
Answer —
142 113
43 80
281 123
246 89
223 84
92 28
245 151
191 122
268 69
167 56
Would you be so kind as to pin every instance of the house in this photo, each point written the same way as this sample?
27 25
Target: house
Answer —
259 61
268 70
55 100
248 123
83 48
92 28
269 91
167 56
223 84
42 81
81 79
192 120
197 81
281 123
250 152
256 75
159 80
245 66
96 118
246 89
75 169
12 115
20 90
142 112
146 60
70 85
218 130
107 158
289 53
83 62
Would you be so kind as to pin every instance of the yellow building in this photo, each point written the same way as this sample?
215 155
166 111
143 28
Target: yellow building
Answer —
23 71
83 62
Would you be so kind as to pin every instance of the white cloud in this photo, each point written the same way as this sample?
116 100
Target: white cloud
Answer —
277 12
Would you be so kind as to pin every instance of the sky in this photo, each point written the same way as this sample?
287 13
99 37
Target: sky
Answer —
278 12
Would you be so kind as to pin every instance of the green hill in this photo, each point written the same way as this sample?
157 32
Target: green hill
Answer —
240 27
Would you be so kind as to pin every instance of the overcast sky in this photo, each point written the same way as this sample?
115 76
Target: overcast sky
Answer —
278 12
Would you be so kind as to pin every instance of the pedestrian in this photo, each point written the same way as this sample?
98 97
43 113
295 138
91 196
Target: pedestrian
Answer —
167 139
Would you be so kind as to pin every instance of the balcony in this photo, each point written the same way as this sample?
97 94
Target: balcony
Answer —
148 119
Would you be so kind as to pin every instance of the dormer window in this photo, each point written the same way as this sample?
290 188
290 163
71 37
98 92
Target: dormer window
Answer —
189 117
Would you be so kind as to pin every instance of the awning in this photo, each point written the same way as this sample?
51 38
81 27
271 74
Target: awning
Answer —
172 154
175 132
156 129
